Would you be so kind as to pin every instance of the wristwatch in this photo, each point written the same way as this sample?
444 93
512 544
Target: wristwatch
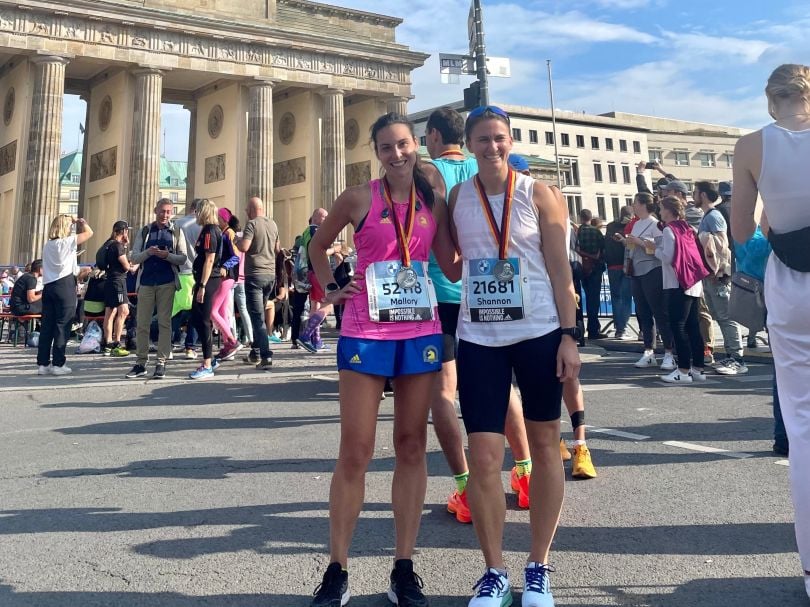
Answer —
574 332
332 287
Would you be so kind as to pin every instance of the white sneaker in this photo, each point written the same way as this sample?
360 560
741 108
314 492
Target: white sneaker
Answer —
807 584
697 375
732 367
43 370
537 588
669 363
492 590
63 370
676 377
646 360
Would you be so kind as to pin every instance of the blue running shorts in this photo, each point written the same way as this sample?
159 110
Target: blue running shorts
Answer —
390 358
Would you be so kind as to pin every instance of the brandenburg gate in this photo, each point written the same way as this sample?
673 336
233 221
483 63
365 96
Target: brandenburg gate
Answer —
281 93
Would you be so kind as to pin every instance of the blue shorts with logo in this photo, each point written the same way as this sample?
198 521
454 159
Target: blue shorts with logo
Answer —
390 358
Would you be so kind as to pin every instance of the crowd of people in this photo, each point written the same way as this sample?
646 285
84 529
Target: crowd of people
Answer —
468 278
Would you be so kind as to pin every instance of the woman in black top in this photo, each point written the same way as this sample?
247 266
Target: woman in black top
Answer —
206 281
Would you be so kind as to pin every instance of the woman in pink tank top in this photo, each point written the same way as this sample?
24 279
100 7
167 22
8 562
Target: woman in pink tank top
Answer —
390 329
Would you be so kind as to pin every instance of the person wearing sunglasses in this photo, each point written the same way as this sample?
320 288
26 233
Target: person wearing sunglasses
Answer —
518 315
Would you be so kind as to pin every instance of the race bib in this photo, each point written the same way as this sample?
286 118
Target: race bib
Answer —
490 298
388 301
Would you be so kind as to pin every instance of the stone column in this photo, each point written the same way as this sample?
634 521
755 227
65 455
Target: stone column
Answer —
333 148
40 195
85 159
144 163
260 143
192 153
398 105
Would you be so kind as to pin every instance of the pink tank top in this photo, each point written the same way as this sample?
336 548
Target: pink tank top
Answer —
377 241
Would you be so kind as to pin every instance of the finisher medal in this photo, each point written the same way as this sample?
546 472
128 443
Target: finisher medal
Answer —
504 271
407 278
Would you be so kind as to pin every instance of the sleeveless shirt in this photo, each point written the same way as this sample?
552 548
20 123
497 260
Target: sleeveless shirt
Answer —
783 179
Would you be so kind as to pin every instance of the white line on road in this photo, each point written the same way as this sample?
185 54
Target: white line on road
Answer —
600 387
706 449
619 433
783 462
753 378
325 377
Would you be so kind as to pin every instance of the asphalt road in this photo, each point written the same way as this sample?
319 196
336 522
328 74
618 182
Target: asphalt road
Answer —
180 494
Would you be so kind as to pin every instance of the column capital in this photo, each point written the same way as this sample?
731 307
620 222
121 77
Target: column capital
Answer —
142 70
331 91
61 59
259 81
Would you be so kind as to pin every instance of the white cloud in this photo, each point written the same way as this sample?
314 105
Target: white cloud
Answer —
710 49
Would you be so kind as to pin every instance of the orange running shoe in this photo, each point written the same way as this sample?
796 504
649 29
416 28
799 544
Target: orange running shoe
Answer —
564 452
457 504
520 485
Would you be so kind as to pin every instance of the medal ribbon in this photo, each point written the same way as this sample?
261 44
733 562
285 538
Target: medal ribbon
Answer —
403 234
451 153
501 236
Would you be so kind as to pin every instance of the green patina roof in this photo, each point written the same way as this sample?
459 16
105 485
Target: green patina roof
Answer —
71 164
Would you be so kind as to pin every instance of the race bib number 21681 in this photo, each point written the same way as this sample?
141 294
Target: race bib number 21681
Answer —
489 299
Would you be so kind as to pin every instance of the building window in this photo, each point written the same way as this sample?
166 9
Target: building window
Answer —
532 136
681 159
423 140
637 147
627 201
74 195
612 173
614 202
597 171
594 143
173 196
574 206
73 209
656 156
622 145
549 138
608 144
76 178
729 159
565 140
706 159
626 173
600 206
517 135
580 141
569 171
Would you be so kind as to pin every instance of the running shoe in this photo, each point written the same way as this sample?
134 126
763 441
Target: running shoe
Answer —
333 591
229 352
708 357
160 371
106 351
307 344
119 352
492 590
520 485
564 452
252 358
201 373
721 363
457 504
322 347
676 377
406 586
63 370
44 369
274 339
215 363
646 360
732 367
265 364
583 466
536 587
697 375
136 371
190 353
668 363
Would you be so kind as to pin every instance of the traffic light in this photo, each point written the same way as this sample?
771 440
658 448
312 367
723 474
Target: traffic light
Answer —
472 96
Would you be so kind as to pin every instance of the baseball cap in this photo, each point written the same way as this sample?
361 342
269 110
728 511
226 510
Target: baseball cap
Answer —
225 214
120 226
724 188
661 183
518 162
676 185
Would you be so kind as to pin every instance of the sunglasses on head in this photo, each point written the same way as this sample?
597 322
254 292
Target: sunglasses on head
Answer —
482 109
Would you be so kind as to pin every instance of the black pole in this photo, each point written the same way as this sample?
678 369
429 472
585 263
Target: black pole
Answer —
480 54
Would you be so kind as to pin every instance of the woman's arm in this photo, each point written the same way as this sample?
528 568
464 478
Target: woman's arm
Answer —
665 251
208 266
83 232
444 248
744 194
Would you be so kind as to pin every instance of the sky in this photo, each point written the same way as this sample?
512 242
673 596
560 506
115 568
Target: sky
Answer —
686 59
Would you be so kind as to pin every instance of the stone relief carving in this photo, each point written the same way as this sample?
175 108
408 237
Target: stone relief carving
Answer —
8 158
8 106
215 168
103 164
107 36
6 20
40 26
286 128
215 120
358 173
351 133
289 172
105 113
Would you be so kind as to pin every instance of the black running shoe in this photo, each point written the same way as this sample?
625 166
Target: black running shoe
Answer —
252 358
160 371
406 586
333 591
137 371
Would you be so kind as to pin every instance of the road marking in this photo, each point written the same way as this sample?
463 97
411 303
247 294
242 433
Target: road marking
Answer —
706 449
600 387
783 462
753 378
325 377
619 433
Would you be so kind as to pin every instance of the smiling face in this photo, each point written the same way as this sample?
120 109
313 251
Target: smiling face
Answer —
491 142
396 149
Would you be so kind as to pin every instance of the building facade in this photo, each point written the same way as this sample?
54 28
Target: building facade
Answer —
598 154
281 95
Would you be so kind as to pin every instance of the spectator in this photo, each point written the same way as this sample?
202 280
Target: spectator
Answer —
116 301
239 300
621 286
591 248
191 230
228 270
26 296
679 190
310 338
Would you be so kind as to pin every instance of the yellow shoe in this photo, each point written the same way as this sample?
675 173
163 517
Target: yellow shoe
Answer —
583 466
564 452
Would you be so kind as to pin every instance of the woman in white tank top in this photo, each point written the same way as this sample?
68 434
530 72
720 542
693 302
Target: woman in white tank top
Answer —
773 162
517 293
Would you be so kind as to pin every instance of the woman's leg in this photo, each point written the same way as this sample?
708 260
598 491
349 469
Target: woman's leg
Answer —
48 326
219 310
678 305
65 307
643 313
241 305
693 331
359 403
653 283
201 317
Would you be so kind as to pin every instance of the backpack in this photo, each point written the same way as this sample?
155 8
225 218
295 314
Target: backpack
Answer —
101 256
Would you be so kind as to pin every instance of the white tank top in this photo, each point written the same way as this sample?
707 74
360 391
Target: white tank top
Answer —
783 178
476 242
